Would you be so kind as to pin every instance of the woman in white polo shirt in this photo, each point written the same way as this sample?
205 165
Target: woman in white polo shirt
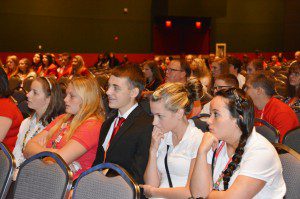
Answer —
233 160
174 142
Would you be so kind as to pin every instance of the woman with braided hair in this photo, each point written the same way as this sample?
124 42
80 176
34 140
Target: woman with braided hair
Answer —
233 160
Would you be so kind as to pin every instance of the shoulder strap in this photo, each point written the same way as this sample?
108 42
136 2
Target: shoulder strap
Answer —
167 168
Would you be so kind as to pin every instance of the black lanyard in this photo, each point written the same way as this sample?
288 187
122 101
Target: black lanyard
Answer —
167 169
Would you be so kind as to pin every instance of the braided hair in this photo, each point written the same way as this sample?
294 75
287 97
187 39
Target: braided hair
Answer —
241 108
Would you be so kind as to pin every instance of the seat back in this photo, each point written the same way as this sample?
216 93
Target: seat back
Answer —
94 184
292 139
38 178
7 166
267 130
290 161
27 84
14 83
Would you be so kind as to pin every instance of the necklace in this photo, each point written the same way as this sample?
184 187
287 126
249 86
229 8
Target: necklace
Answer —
60 135
33 127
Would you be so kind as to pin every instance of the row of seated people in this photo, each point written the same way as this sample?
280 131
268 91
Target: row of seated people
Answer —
45 65
82 135
156 75
62 66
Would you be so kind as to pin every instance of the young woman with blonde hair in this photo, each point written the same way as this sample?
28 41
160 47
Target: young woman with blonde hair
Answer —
12 63
78 67
174 142
74 135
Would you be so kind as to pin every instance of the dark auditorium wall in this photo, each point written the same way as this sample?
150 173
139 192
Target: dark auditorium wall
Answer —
89 26
266 25
75 25
249 25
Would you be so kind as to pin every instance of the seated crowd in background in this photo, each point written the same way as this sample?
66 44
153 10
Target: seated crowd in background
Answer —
67 117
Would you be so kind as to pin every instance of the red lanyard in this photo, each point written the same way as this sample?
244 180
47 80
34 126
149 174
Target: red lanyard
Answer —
219 180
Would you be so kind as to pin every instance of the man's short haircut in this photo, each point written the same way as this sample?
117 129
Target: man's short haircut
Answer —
65 54
257 64
229 79
262 80
134 75
237 63
185 67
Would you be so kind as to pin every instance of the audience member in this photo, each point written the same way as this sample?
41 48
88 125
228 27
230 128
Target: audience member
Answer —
220 67
255 66
200 71
37 61
73 135
235 67
261 89
112 60
102 61
233 160
211 59
65 67
297 58
48 68
178 71
45 99
245 61
78 67
152 75
126 135
10 116
275 64
25 70
189 59
174 139
221 82
293 84
12 63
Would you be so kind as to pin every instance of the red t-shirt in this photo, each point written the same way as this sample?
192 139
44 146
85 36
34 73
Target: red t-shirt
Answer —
51 70
87 134
65 72
278 114
10 110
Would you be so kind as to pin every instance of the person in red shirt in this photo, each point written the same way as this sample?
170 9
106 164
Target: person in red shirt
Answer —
74 135
78 68
275 64
65 69
261 89
48 68
10 116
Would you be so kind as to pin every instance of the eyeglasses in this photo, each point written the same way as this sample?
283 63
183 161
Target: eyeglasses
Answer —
172 69
220 87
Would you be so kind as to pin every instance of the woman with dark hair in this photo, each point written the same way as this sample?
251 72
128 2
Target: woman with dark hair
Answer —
233 160
46 100
10 116
48 68
113 61
174 139
102 61
37 61
152 75
293 84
